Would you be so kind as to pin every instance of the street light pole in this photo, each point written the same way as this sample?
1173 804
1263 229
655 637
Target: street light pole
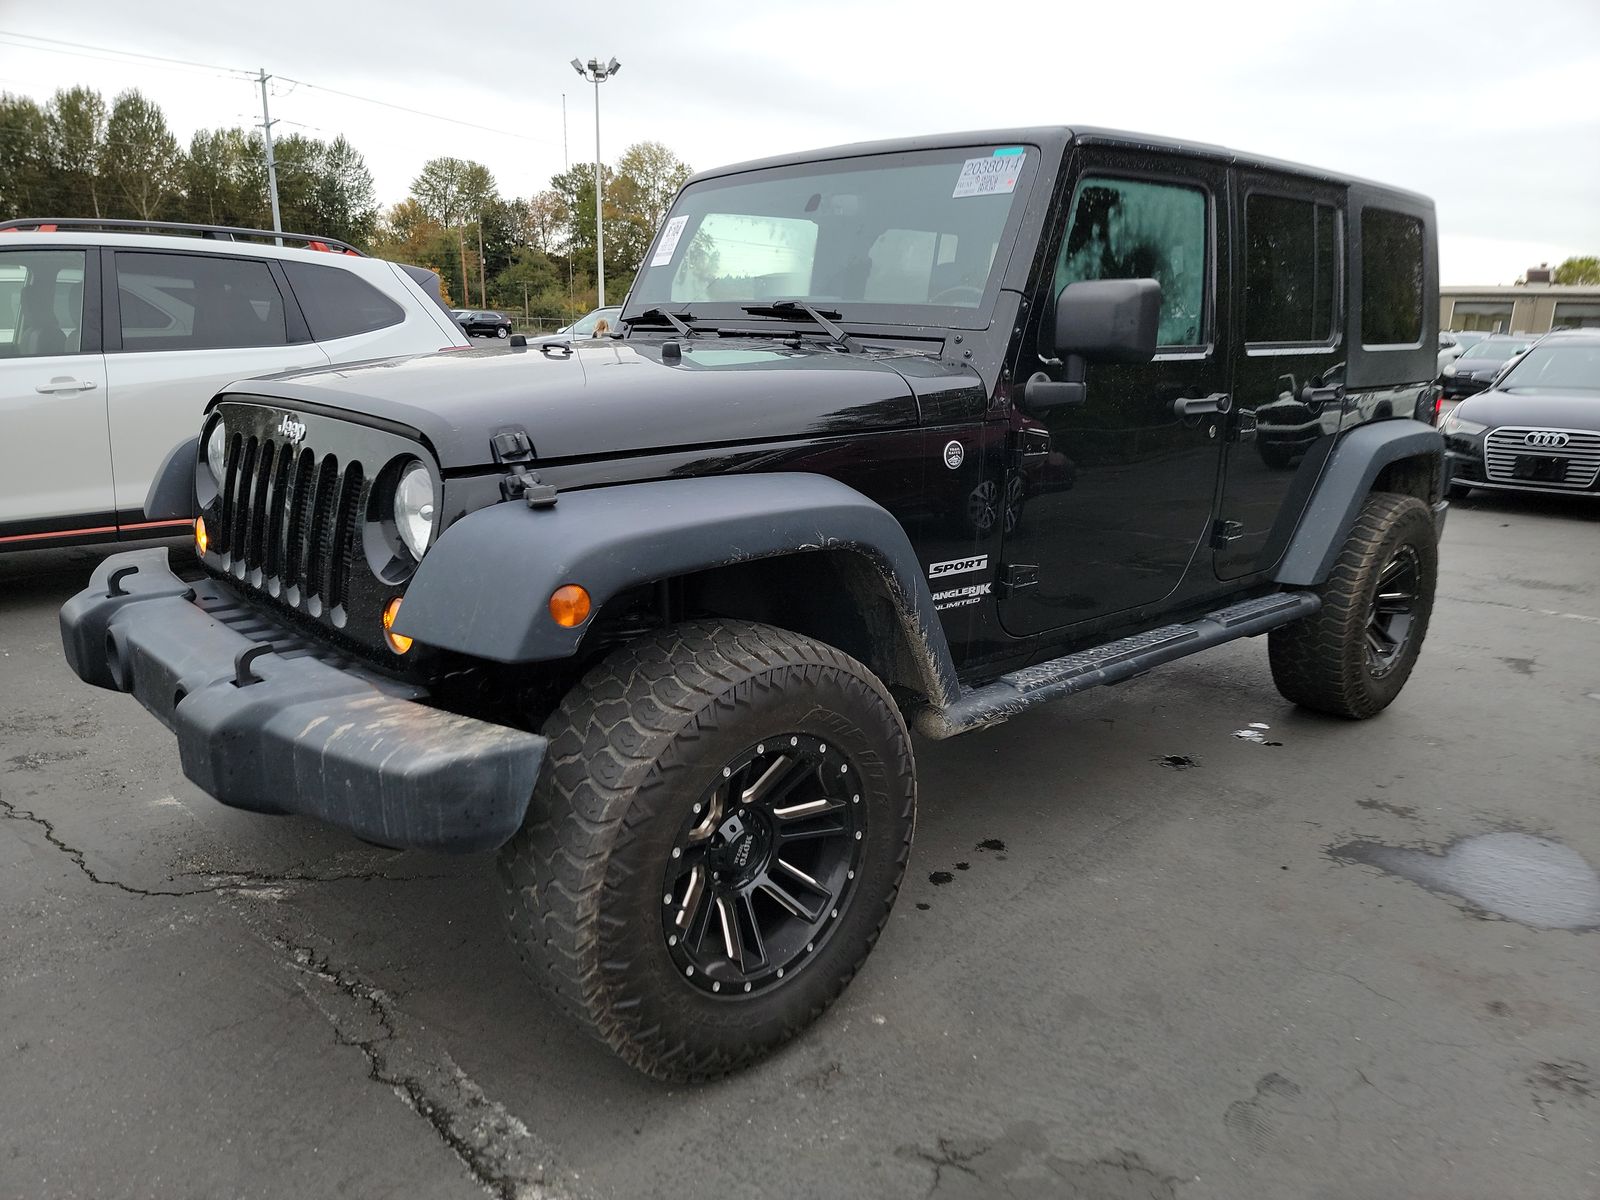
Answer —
597 73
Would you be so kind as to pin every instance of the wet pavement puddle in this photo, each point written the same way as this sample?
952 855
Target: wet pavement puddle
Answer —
1531 880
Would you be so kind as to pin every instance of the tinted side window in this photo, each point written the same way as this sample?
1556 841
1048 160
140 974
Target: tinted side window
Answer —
1391 278
1126 229
338 303
1291 269
197 302
41 302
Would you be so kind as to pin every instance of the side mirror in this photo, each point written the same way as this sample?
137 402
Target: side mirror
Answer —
1101 320
1109 320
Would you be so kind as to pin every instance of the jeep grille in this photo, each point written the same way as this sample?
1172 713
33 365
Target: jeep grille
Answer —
289 518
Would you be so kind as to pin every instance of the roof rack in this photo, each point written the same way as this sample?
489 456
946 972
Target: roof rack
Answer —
223 233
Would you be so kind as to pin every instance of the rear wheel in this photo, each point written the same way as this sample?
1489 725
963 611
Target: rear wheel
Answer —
501 331
714 844
1352 657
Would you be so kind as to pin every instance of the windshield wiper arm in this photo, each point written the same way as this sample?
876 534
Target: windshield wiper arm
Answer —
787 308
656 316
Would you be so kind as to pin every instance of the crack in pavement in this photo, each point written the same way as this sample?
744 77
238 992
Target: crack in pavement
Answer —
225 881
492 1143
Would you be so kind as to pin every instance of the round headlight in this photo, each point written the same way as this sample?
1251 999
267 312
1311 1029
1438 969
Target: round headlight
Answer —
413 508
217 453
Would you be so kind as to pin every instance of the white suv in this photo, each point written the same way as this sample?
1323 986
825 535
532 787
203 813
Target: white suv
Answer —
112 342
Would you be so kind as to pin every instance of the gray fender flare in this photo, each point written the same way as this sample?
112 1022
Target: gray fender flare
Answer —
1352 469
171 494
483 588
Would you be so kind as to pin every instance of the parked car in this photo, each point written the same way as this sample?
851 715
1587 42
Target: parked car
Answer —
478 322
1538 428
1477 367
115 334
1455 342
583 327
653 617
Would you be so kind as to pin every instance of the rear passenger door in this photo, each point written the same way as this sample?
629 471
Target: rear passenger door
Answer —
179 328
1289 362
55 456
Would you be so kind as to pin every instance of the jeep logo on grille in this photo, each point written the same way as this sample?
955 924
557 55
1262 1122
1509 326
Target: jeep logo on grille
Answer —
291 430
1546 440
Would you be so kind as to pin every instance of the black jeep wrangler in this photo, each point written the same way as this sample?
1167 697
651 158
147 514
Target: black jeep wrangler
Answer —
911 434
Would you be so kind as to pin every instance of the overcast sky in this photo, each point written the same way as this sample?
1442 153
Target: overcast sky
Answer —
1490 108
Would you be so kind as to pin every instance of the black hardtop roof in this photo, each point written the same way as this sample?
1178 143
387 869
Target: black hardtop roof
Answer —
1053 138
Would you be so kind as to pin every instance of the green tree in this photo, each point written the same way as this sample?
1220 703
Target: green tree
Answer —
225 179
142 161
25 179
1579 269
76 120
345 200
452 192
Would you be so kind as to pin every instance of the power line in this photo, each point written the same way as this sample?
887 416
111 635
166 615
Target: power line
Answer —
415 112
79 48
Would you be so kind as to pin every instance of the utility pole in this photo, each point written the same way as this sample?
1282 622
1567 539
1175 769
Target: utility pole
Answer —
597 73
266 138
483 301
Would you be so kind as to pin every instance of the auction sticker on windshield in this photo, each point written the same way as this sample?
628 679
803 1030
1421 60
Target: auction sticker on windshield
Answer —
668 242
992 176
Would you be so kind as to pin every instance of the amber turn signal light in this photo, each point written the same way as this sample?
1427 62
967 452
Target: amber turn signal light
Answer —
201 541
398 642
569 605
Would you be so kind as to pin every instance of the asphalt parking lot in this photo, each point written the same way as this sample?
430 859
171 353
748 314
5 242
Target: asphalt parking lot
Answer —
1174 939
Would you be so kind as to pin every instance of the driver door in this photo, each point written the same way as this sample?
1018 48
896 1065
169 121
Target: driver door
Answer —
1117 493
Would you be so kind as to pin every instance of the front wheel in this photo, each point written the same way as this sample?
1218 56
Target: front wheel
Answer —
1352 656
714 844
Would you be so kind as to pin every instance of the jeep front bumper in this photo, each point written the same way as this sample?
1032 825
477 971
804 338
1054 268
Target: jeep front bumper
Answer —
293 729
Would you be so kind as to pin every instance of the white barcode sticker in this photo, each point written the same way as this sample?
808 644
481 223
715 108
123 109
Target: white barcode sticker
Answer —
993 176
669 241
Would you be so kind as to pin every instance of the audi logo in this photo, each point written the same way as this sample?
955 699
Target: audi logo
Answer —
1545 439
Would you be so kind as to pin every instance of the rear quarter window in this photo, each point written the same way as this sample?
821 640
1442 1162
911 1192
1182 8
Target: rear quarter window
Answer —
338 303
1391 279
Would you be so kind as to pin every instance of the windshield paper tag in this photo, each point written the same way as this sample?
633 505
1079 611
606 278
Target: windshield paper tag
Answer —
992 176
669 241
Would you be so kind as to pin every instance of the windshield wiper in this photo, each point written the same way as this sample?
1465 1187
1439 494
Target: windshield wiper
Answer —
788 308
656 316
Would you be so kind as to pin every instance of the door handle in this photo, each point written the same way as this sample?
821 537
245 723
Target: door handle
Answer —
1194 406
63 383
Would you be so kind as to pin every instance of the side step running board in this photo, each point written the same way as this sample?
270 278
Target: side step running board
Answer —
1112 663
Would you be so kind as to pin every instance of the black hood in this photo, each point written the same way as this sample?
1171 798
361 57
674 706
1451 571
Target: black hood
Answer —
612 397
1558 409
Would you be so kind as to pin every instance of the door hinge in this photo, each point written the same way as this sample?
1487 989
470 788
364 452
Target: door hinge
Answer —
1026 445
1223 532
1018 576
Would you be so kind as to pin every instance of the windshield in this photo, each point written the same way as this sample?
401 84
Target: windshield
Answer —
585 325
1468 338
1573 366
1495 351
892 238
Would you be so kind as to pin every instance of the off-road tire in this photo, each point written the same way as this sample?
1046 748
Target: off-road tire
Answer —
1321 662
632 747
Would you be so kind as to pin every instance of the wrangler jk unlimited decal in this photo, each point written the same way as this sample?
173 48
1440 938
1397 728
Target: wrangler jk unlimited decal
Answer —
961 597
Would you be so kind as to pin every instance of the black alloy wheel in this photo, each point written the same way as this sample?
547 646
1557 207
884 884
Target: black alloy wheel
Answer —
763 864
1393 611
